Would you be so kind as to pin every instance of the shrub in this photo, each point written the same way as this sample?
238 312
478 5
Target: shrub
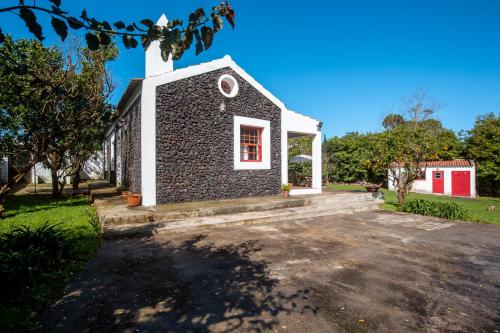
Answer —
34 265
286 187
446 210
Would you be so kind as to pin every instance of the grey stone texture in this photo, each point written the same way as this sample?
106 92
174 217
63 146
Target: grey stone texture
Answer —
131 148
194 140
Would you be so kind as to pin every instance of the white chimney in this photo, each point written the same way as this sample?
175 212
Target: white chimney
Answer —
154 62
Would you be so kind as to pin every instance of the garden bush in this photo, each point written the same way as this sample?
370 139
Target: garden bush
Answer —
35 263
446 210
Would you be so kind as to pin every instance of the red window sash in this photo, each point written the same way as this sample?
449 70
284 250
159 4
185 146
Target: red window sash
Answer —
258 145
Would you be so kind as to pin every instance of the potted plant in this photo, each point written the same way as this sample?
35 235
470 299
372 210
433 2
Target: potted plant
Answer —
372 188
125 194
133 199
285 189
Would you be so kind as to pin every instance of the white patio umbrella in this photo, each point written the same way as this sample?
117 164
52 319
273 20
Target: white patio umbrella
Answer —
301 159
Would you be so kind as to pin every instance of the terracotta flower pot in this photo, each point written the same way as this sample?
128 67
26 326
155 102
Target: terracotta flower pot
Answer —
285 193
125 194
133 200
372 188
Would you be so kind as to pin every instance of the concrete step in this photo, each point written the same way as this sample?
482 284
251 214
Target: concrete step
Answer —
255 217
165 213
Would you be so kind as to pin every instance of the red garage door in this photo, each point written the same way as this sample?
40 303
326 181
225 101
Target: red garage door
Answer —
460 183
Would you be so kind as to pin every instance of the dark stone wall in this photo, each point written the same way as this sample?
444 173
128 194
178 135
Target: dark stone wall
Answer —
131 148
194 140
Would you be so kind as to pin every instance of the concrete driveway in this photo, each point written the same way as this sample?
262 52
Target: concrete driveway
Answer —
366 272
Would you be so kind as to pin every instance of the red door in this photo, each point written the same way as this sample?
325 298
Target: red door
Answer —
460 183
437 181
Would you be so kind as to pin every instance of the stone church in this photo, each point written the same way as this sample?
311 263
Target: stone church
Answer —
204 132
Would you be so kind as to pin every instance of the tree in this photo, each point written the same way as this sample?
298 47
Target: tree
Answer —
175 38
350 158
410 144
86 111
483 146
392 120
25 101
302 145
58 113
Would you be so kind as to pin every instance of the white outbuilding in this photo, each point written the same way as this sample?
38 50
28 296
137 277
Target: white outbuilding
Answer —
453 178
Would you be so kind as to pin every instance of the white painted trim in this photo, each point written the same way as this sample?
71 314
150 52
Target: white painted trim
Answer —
148 142
210 66
266 144
234 85
304 191
293 122
316 162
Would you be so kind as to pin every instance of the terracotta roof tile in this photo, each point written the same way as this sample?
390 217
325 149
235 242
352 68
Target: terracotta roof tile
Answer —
452 163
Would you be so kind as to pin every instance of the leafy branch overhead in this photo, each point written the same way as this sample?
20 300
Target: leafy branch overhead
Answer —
175 38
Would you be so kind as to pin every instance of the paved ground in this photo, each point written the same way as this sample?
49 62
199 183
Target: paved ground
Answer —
366 272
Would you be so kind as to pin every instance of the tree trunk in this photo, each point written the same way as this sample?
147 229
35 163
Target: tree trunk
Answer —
76 178
401 196
4 190
55 183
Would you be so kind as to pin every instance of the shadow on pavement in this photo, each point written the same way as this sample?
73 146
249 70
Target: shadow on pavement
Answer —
191 286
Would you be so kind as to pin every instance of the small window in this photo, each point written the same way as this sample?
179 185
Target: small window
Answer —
251 144
420 175
437 175
228 85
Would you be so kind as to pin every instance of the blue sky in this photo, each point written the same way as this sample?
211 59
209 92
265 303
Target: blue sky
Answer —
347 63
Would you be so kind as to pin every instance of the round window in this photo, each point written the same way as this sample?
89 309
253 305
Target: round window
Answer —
228 85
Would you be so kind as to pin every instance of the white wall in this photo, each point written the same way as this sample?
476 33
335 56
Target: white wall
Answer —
425 186
4 169
297 123
92 169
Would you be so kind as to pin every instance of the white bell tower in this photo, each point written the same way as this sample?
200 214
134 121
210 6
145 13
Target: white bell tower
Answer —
154 63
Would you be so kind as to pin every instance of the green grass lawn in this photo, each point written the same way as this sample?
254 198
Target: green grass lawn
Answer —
477 208
82 232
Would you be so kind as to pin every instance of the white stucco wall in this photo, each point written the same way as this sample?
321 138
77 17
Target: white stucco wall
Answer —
425 186
92 169
297 123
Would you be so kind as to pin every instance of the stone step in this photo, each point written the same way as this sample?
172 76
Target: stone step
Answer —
139 215
209 222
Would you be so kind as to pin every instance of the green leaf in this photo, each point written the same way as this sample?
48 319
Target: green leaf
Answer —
130 28
133 42
106 25
148 23
74 23
119 25
30 19
217 22
230 16
145 41
171 36
207 35
104 38
195 18
166 49
56 2
199 45
126 41
60 27
92 41
187 39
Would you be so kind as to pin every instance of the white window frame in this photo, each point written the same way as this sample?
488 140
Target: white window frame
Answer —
234 85
266 143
